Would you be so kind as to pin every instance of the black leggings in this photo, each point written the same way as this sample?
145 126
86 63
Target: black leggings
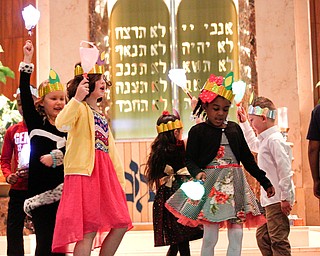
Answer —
183 249
44 220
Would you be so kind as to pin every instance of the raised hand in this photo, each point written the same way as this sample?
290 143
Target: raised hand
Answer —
28 51
241 114
82 90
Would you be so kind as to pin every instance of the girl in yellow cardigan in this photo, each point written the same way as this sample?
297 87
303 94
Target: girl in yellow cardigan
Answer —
93 209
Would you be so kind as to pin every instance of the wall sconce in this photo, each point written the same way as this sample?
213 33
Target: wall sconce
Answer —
283 121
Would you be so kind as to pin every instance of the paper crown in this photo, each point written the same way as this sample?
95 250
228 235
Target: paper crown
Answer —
98 68
217 85
170 125
53 85
258 111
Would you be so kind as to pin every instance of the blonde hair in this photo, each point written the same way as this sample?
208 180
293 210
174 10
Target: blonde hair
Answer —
263 102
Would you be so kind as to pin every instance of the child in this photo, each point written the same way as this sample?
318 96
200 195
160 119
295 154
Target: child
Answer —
47 146
274 156
166 172
215 149
16 144
93 201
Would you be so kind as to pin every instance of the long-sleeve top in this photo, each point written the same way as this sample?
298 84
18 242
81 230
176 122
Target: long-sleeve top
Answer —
274 156
16 139
204 142
44 137
314 125
77 119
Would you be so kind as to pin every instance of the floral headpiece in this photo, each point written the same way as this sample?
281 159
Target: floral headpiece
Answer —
98 68
258 111
169 125
53 85
217 85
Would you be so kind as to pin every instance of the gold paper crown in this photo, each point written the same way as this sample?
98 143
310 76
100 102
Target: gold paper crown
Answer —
45 89
52 86
219 89
97 69
169 126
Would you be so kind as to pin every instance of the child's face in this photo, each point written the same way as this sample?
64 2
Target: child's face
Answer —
178 133
99 88
53 103
258 123
19 105
217 111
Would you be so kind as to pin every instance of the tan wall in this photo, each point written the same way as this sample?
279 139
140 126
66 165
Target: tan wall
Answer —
285 76
63 24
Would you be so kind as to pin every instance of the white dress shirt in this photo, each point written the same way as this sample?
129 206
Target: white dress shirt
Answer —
275 158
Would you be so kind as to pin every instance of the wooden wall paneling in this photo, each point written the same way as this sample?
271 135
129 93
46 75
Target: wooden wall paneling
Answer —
129 186
136 178
144 186
12 37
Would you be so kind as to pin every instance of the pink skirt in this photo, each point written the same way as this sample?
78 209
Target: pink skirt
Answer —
95 203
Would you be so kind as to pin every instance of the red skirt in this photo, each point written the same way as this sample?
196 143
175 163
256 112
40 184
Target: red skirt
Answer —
95 203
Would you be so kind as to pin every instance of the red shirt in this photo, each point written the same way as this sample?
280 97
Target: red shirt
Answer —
16 140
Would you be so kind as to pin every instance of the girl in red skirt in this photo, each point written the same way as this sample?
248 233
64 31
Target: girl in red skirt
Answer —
93 210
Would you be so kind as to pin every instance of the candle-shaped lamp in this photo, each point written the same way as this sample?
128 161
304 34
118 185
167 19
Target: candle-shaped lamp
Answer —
283 121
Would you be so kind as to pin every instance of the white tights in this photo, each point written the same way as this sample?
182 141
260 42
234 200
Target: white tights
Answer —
211 235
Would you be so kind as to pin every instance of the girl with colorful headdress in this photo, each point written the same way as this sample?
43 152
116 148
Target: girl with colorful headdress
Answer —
165 172
93 210
215 149
47 146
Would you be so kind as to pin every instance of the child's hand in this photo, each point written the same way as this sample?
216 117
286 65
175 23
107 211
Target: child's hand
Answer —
286 207
194 102
241 114
270 191
12 178
28 51
201 176
46 160
82 90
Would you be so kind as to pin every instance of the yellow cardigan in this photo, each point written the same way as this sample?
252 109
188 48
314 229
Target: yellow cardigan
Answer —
77 119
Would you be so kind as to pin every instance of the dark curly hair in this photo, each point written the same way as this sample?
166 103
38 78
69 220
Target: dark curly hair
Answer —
163 144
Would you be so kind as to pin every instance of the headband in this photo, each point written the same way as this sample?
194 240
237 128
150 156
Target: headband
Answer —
258 111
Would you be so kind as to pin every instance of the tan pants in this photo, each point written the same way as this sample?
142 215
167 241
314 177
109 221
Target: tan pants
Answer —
272 237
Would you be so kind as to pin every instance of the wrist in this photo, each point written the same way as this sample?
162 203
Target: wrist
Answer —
26 67
27 60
